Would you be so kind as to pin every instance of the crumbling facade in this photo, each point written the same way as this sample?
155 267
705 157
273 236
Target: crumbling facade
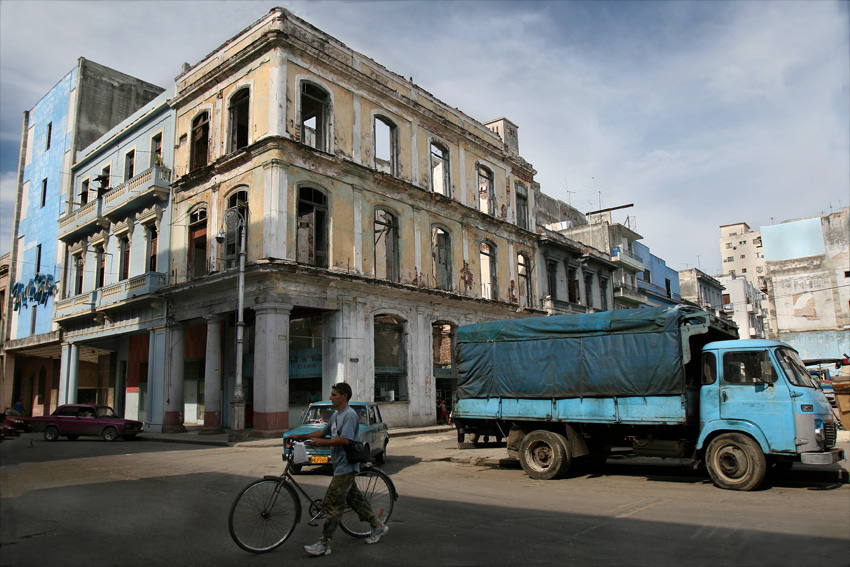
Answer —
377 219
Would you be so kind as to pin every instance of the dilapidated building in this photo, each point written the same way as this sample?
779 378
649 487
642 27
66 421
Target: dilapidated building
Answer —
376 220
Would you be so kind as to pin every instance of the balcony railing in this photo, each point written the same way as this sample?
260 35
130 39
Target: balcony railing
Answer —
88 214
89 302
78 305
561 307
627 291
153 182
628 258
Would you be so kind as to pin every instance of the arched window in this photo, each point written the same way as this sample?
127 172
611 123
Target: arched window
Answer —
200 144
524 295
385 139
233 231
440 181
239 119
486 196
315 116
312 237
386 246
441 258
487 258
197 257
390 359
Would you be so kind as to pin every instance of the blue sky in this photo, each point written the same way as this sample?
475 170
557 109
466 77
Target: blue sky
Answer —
700 113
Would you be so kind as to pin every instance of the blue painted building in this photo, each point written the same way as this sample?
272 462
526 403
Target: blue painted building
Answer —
114 240
86 102
657 282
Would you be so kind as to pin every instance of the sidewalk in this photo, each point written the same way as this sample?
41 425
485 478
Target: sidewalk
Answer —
192 435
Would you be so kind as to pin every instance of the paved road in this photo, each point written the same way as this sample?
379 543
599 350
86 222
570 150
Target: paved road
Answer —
123 503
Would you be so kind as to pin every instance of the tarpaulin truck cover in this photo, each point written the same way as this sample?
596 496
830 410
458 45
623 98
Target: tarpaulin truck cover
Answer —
625 352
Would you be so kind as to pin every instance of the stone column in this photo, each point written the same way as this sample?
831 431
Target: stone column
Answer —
271 369
68 373
173 419
212 377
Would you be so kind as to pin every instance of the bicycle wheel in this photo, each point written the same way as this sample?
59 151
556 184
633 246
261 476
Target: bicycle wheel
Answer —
263 515
379 492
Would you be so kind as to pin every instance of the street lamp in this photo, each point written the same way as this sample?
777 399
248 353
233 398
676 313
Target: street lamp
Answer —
234 219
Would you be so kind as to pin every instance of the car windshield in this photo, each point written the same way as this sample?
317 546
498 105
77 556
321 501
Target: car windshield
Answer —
106 411
318 414
794 368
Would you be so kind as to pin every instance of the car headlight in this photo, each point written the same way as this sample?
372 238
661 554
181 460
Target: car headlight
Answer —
820 432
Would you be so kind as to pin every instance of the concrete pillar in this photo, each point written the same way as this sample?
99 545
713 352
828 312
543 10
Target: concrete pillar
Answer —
212 377
173 419
69 373
157 372
271 369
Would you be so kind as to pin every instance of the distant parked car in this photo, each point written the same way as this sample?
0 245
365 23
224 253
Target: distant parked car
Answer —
74 420
7 429
373 430
18 420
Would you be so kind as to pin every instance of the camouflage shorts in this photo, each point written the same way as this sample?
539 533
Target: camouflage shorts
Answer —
343 490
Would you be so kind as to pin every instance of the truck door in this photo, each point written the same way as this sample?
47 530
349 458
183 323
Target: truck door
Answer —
751 390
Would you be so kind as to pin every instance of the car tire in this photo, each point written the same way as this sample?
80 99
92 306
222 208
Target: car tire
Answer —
110 434
72 437
382 456
51 434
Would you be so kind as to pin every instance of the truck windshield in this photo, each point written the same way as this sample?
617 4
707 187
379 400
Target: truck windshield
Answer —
793 367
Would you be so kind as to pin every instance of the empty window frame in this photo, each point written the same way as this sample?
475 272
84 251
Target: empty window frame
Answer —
521 206
573 295
100 275
43 192
48 136
386 246
604 285
156 151
129 165
442 343
197 257
486 198
312 237
385 140
588 289
239 107
390 359
84 193
200 144
441 258
38 258
153 247
524 294
440 170
315 116
79 268
105 180
487 259
233 231
124 251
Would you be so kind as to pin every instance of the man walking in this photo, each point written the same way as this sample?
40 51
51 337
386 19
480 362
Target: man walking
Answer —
342 428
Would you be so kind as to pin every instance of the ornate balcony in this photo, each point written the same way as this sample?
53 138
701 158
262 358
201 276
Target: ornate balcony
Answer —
129 288
138 192
77 306
87 218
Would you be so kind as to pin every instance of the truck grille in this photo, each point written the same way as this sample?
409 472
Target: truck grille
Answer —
829 431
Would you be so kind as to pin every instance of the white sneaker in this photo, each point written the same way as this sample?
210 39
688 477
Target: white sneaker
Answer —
377 533
318 548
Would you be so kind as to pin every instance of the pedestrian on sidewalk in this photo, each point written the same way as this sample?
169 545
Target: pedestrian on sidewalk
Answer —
342 427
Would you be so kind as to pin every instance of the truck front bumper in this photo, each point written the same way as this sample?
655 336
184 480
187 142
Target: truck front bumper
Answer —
825 458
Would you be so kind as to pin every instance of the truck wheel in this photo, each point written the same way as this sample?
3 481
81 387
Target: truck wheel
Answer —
544 455
51 434
735 462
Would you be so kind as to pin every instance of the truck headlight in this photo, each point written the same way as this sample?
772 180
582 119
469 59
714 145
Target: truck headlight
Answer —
820 432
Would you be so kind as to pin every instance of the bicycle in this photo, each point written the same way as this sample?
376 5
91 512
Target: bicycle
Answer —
265 513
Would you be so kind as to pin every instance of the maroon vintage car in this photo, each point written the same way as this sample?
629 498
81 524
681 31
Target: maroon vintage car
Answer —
73 420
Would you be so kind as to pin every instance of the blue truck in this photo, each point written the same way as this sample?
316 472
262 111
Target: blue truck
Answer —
667 382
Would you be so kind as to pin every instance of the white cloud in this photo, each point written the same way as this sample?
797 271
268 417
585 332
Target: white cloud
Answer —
8 190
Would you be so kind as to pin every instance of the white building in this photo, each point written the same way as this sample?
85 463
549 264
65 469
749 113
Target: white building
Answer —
743 303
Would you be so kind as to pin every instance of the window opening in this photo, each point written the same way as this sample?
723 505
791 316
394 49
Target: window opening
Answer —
390 359
487 257
603 293
101 268
156 151
153 245
486 198
315 114
386 136
386 246
124 246
79 265
588 289
551 279
312 238
129 165
104 180
524 280
200 141
38 259
43 192
441 258
239 119
198 243
440 170
84 192
233 236
572 285
49 135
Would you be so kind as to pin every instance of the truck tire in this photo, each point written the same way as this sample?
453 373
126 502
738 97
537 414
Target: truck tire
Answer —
544 455
735 462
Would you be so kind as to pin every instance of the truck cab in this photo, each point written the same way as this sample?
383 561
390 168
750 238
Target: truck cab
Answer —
759 407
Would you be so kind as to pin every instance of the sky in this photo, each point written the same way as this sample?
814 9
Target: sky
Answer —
700 113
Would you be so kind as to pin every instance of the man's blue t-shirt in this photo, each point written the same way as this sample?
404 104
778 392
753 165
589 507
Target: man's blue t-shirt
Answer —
343 424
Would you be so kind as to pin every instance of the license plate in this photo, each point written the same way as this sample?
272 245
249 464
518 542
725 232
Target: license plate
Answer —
319 460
